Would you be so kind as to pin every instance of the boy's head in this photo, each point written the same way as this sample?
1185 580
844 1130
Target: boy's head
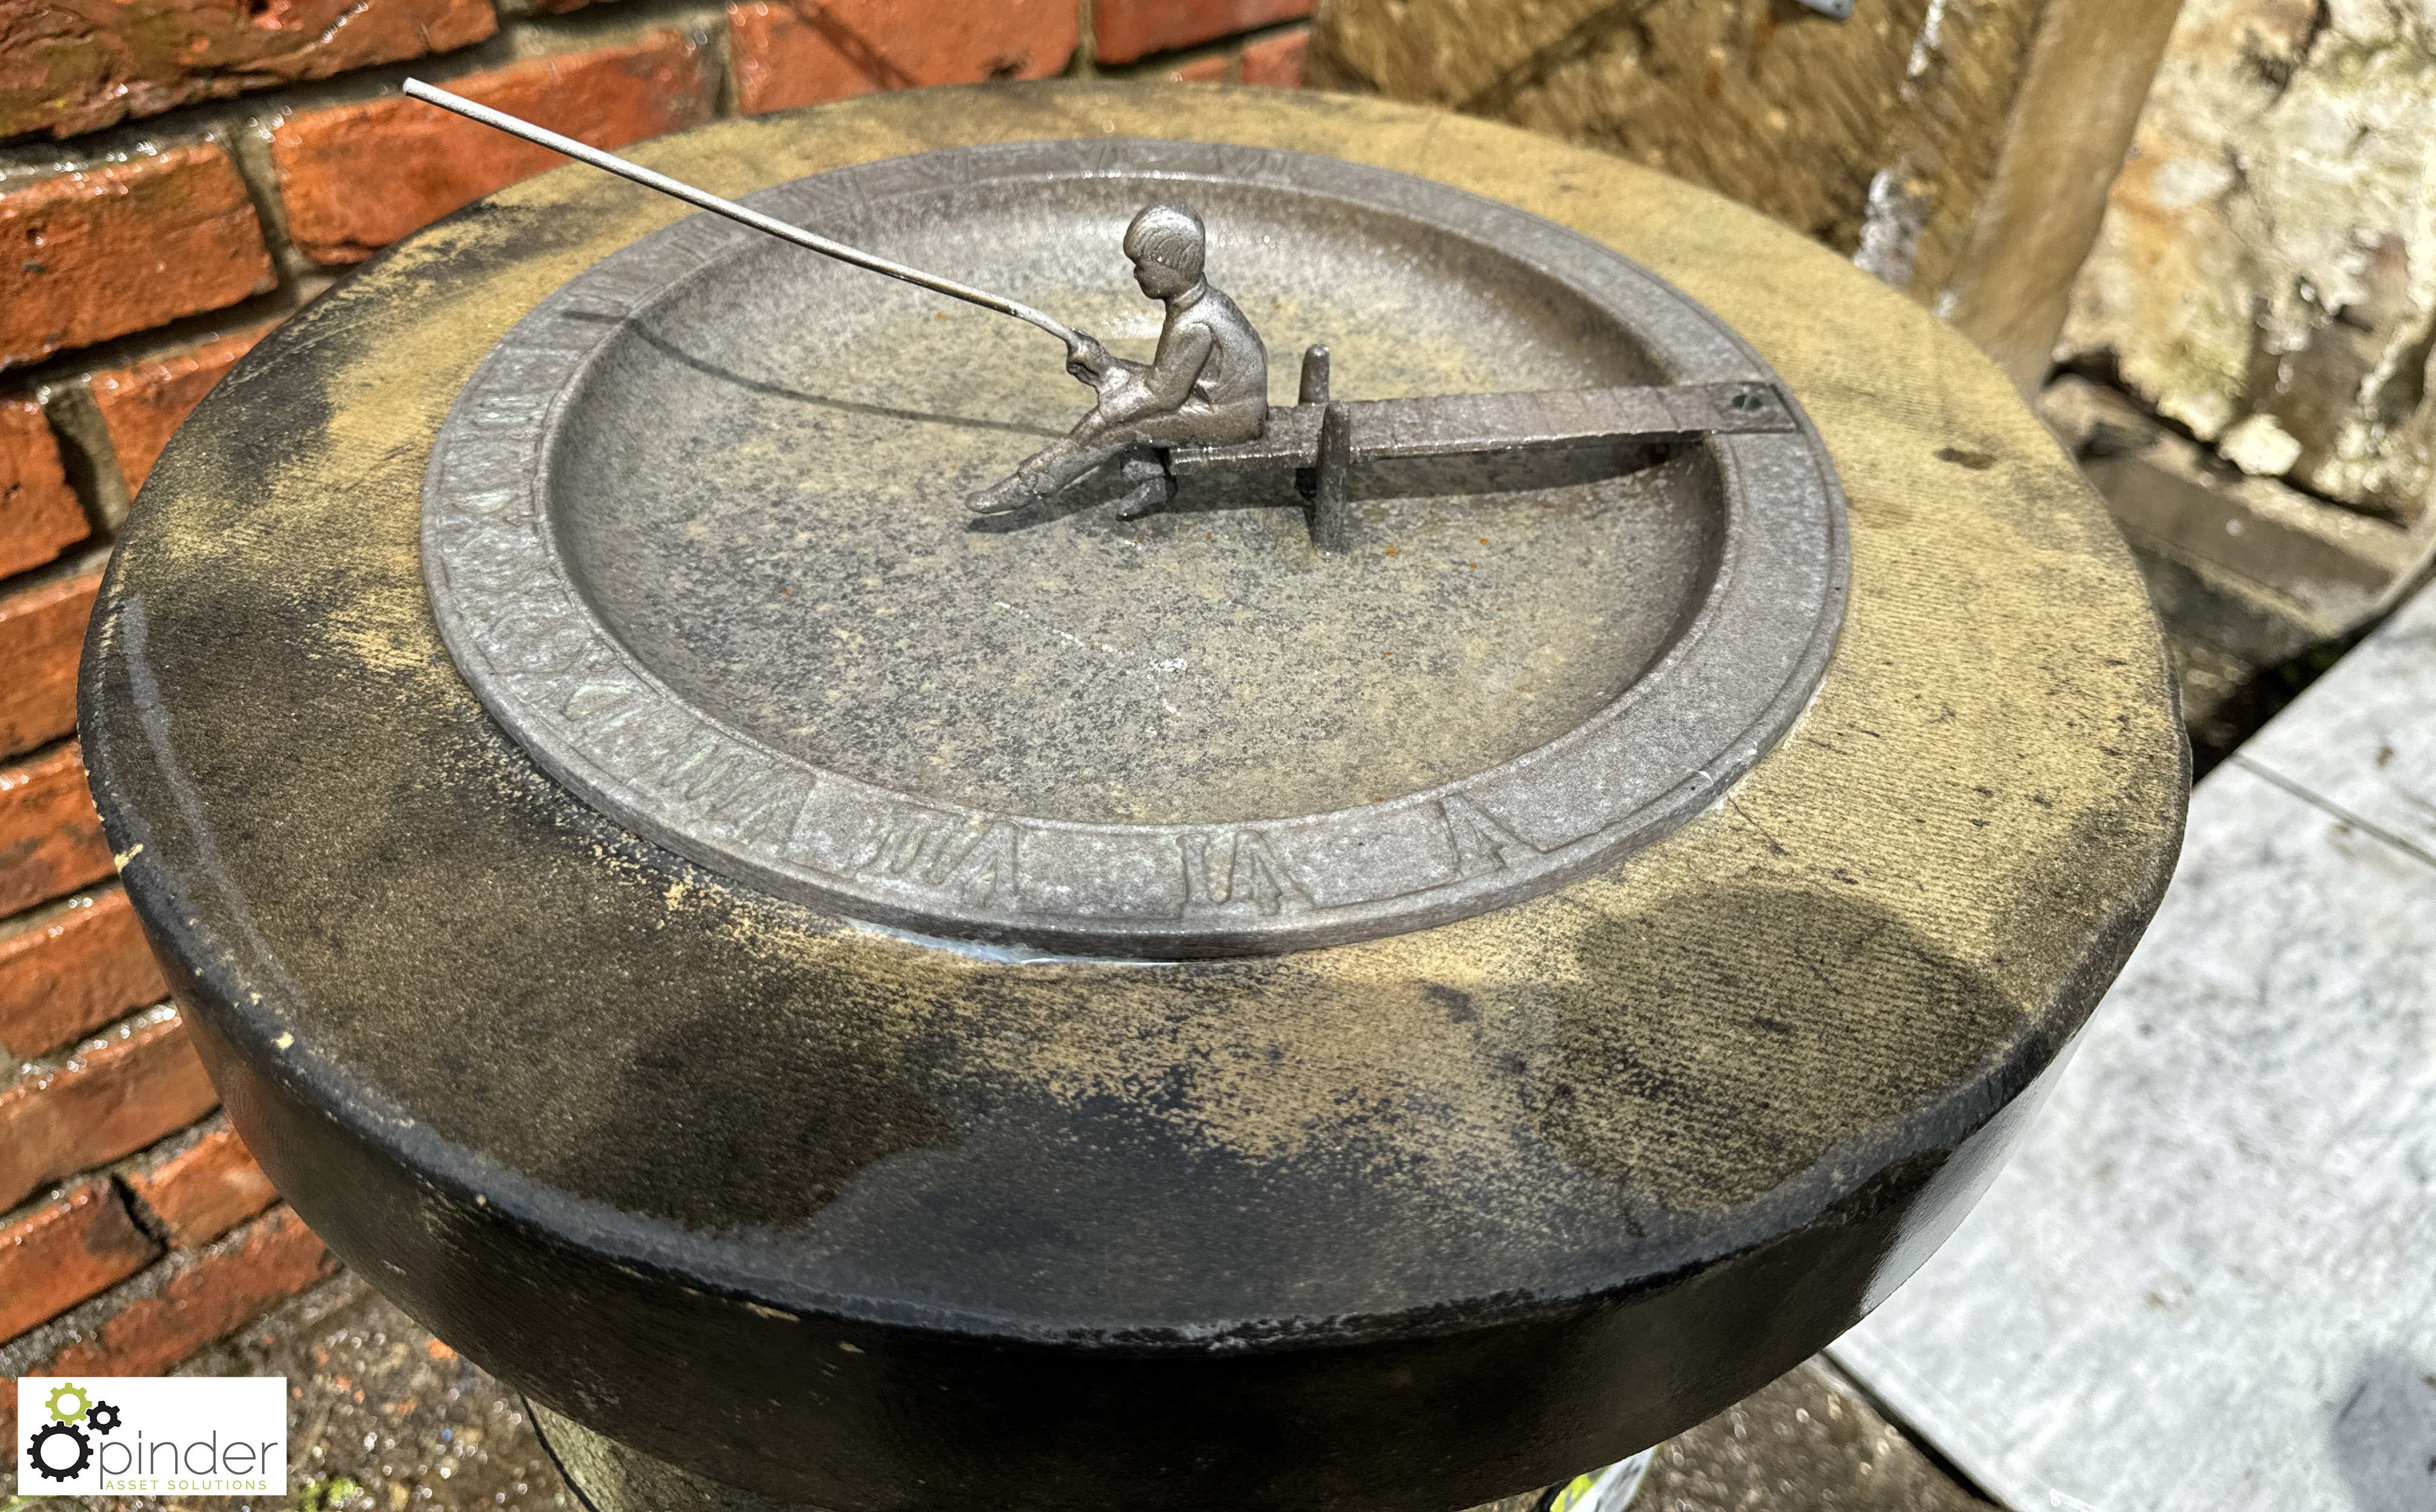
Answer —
1166 244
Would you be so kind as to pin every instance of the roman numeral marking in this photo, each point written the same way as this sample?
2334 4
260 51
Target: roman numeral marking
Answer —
904 836
739 791
1481 843
591 698
760 806
978 861
984 871
1249 867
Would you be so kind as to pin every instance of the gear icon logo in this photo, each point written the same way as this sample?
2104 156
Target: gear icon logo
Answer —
50 1450
69 1389
101 1417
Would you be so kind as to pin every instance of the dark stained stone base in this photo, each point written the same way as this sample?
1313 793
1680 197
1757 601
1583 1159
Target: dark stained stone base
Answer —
388 1417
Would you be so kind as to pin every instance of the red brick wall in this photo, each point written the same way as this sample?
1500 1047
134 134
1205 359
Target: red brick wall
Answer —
176 177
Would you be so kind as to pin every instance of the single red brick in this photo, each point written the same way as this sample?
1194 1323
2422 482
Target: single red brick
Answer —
1211 70
73 970
42 634
102 251
65 1251
1277 61
71 66
802 52
39 516
50 838
359 177
110 1101
144 404
1123 31
200 1193
229 1285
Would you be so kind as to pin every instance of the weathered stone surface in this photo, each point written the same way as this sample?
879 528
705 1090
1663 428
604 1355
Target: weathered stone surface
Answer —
71 67
2258 586
1961 152
2333 570
2202 1282
2268 251
396 1413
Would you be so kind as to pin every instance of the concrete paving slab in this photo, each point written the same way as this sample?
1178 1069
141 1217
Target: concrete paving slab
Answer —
2363 740
2207 1280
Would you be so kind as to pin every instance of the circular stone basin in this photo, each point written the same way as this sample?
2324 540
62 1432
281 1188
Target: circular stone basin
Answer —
696 533
829 1216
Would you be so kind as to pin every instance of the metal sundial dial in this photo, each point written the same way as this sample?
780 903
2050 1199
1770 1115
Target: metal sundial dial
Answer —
701 534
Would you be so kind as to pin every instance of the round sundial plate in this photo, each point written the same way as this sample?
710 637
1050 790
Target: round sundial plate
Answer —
694 534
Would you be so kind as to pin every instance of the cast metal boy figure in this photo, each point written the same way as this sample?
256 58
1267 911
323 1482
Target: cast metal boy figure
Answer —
1207 386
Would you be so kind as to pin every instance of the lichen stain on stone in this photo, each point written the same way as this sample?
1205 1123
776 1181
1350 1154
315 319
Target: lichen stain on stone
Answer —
1727 1038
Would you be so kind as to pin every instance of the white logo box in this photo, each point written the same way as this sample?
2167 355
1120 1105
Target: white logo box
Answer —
132 1436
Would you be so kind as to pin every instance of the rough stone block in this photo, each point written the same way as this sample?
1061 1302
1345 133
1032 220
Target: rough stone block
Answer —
807 51
113 1099
203 1192
68 971
1960 153
125 247
2328 571
358 177
41 633
1277 61
50 838
143 404
39 516
1122 30
69 1248
71 66
2262 272
226 1287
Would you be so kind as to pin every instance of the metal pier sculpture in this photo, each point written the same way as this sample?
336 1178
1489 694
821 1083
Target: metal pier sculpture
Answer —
1201 404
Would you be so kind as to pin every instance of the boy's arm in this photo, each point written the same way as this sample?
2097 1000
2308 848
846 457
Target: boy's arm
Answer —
1161 387
1090 361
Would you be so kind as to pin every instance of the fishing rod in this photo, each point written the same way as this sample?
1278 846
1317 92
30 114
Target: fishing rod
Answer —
703 199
